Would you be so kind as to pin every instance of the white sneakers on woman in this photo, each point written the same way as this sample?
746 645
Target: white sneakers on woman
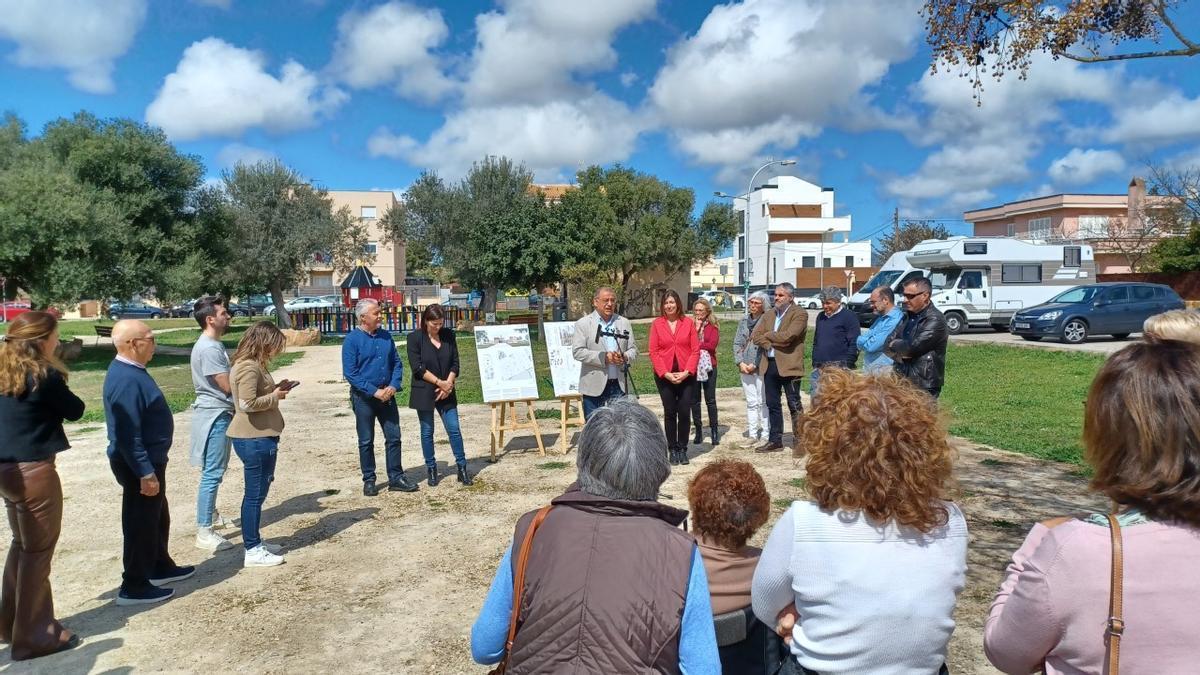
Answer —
259 556
210 541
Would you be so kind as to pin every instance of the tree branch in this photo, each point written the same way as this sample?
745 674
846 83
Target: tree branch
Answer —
1096 58
1162 14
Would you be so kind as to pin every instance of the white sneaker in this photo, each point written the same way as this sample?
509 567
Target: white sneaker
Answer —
261 557
211 541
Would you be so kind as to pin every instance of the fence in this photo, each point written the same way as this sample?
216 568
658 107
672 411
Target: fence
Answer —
339 321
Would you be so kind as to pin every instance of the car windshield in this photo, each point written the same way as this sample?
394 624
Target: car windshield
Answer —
944 278
1076 295
881 278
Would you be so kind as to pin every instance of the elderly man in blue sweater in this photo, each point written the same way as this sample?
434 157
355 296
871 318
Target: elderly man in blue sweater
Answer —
883 301
140 430
835 342
375 373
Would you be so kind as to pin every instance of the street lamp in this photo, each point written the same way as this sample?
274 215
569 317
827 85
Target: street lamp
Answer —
821 259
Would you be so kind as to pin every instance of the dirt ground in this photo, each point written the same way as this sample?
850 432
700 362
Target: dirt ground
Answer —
393 583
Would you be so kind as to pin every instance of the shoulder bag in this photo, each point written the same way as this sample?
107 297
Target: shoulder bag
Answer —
519 587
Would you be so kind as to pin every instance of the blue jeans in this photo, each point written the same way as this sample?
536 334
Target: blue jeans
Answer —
367 409
258 456
450 422
612 391
216 459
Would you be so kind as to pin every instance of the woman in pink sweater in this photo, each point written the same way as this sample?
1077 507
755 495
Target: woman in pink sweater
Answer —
1141 432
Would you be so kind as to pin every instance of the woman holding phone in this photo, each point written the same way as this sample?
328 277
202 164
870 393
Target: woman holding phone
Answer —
255 430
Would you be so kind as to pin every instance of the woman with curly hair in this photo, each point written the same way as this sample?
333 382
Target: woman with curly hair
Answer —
1141 436
863 577
729 502
34 401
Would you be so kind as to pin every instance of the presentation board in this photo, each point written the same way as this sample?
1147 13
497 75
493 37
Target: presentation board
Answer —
564 369
505 363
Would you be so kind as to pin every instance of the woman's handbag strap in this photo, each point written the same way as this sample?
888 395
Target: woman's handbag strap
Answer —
1116 624
519 586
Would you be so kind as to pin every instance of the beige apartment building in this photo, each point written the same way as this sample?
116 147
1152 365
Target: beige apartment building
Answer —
1120 227
368 206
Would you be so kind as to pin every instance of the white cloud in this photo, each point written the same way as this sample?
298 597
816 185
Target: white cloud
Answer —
532 50
628 78
546 137
389 44
235 153
768 72
1155 121
221 90
80 36
1080 167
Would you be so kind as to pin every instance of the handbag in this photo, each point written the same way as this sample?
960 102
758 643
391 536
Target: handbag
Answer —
519 587
1116 624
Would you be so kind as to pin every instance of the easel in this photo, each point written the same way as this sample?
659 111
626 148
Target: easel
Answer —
504 418
565 419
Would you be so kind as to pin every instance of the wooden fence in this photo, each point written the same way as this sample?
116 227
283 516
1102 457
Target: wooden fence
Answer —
339 321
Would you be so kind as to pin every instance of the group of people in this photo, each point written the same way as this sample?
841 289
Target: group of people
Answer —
236 410
863 575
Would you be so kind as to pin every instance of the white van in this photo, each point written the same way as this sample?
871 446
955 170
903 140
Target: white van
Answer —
894 273
983 281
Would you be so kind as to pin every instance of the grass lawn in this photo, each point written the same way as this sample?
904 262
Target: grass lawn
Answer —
85 328
172 373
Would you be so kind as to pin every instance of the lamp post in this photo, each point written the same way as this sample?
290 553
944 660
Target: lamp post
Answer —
821 259
746 225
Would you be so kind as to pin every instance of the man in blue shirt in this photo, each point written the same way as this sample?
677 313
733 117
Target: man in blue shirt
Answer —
883 301
375 373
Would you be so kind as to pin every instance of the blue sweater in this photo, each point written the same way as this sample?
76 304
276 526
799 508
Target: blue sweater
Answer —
835 340
370 362
874 340
697 635
140 425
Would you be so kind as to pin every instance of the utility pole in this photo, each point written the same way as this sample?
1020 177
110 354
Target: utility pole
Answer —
896 224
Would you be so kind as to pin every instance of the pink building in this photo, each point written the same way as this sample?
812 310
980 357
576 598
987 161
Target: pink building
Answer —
1114 224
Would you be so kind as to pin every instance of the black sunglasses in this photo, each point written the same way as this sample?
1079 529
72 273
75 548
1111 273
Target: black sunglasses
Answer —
910 296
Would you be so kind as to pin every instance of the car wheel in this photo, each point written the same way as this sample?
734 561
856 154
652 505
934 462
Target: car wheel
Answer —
1120 336
156 316
114 317
240 313
955 323
1031 338
812 305
270 312
1074 331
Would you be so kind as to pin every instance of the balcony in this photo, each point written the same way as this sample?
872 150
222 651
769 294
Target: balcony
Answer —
807 225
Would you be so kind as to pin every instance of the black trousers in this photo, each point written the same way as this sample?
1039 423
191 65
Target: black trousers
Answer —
774 384
677 406
709 389
146 524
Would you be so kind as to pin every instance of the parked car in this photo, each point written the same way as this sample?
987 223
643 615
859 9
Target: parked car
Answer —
10 310
183 310
133 310
813 301
257 304
723 299
1108 308
302 303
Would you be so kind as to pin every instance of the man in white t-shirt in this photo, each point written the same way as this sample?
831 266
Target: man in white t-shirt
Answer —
211 414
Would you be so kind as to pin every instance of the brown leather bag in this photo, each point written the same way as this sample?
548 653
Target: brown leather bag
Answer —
519 587
1116 625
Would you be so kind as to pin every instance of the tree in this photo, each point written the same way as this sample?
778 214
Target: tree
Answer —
98 208
1175 210
280 224
972 34
909 234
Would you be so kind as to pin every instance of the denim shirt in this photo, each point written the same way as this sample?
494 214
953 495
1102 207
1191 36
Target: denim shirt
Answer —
874 340
370 361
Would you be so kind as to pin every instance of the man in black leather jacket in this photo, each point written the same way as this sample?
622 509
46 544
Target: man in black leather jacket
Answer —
918 344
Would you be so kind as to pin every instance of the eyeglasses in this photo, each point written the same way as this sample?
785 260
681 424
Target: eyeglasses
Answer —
150 338
912 296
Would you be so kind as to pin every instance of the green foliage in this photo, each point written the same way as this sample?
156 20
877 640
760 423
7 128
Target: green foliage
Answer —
911 233
99 208
1175 255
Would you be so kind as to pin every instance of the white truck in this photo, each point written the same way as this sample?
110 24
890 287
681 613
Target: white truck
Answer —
983 281
895 272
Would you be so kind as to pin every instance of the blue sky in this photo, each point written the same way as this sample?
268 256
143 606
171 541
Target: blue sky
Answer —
367 94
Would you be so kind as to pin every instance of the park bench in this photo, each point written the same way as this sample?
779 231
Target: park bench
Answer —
530 320
103 331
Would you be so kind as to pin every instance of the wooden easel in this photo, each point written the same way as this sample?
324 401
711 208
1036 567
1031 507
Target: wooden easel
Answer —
504 418
565 419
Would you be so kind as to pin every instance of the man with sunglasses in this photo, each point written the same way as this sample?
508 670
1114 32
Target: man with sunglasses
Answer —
918 344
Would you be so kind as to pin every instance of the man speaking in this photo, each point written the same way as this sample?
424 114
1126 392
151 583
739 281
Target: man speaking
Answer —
604 346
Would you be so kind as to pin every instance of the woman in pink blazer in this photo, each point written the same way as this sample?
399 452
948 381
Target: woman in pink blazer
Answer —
675 351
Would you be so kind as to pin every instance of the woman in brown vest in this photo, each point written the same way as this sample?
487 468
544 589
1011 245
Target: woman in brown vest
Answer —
612 585
34 401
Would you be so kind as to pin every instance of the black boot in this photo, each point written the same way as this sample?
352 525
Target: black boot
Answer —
401 484
683 458
433 476
369 488
713 434
463 476
673 455
699 436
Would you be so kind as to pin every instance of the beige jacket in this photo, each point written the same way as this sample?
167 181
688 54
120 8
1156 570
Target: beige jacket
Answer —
255 402
788 341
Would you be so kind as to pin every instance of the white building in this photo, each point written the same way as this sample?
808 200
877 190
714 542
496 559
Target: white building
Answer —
792 226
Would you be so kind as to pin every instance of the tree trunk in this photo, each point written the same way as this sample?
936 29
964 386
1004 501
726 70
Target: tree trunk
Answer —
488 304
281 316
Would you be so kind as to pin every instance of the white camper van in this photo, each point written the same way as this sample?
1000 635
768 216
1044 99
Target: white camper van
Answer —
982 281
894 273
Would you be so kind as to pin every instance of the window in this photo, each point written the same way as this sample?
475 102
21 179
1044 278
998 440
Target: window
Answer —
808 261
367 212
1021 274
1072 256
825 262
371 247
975 248
1092 227
741 246
764 209
849 261
1118 294
1039 228
971 279
1010 230
742 272
695 273
1142 293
